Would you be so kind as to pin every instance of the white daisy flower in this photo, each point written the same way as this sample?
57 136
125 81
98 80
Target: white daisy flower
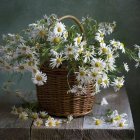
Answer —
98 64
43 114
103 49
53 52
110 64
104 101
51 122
97 87
39 78
137 64
54 38
23 116
83 76
69 51
65 35
122 123
87 56
57 61
23 49
77 89
117 45
78 40
59 28
95 73
8 67
118 83
20 110
14 110
34 115
118 120
69 118
99 36
41 31
58 122
20 68
105 81
37 30
137 47
126 67
38 122
121 47
98 122
115 116
107 28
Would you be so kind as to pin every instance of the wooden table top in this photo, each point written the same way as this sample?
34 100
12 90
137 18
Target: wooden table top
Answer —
81 128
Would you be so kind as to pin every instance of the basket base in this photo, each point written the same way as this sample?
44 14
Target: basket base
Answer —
67 114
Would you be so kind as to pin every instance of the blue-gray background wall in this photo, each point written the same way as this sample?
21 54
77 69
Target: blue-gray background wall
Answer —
17 14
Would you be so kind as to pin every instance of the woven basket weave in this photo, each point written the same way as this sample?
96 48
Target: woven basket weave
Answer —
53 96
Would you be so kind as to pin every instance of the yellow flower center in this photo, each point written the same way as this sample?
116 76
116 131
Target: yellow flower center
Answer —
51 123
70 55
59 29
94 74
102 41
42 33
101 35
99 81
69 49
105 81
110 55
79 40
80 51
43 115
56 40
82 73
97 64
17 37
119 86
29 55
121 124
59 60
38 46
112 120
38 123
38 78
57 122
104 50
97 122
24 48
8 49
30 63
117 118
34 116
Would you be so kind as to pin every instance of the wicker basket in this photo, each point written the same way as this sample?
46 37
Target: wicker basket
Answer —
53 96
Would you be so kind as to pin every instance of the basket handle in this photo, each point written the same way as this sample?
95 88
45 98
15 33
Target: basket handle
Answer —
76 20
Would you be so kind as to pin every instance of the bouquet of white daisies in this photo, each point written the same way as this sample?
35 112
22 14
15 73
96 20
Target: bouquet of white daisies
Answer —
88 53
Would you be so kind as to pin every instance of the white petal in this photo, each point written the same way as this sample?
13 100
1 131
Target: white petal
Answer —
104 102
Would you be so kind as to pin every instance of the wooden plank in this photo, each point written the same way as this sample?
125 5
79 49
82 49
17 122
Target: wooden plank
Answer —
11 128
66 131
117 101
82 128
